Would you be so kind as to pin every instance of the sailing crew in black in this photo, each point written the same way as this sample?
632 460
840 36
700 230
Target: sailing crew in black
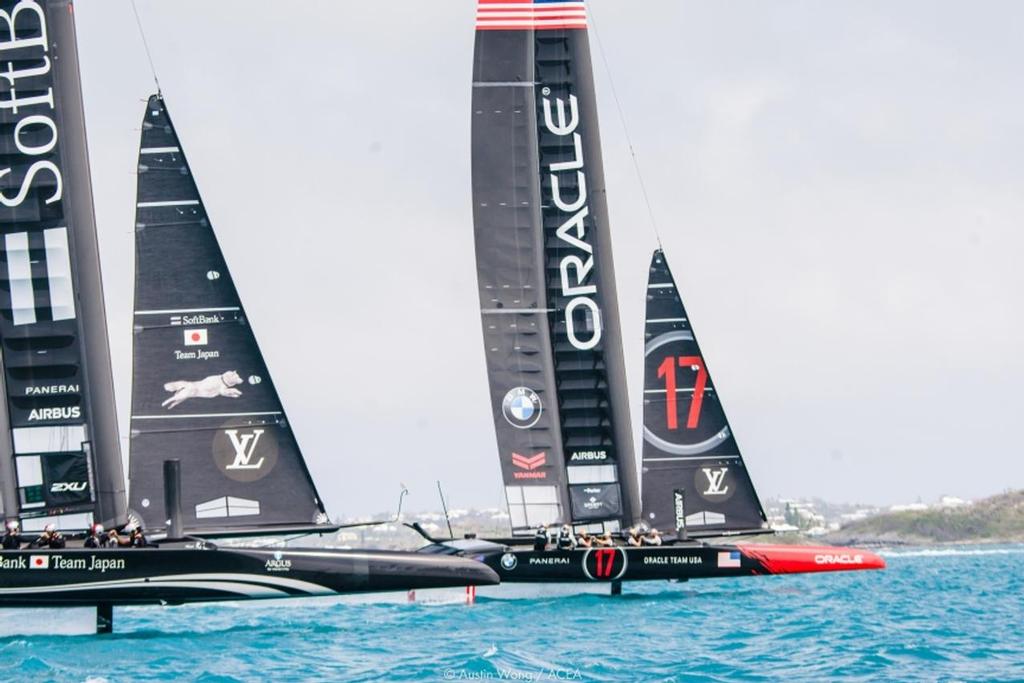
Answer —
95 537
540 539
50 538
634 537
137 539
566 540
12 536
584 540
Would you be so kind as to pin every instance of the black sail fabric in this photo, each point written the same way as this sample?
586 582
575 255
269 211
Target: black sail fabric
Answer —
60 458
545 273
201 391
692 467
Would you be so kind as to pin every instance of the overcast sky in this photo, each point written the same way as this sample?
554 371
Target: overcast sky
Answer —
839 190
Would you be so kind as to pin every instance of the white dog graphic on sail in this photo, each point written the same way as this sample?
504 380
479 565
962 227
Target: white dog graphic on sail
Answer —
208 387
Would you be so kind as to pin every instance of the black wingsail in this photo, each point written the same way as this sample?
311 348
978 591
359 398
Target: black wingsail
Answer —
544 266
201 391
693 473
60 458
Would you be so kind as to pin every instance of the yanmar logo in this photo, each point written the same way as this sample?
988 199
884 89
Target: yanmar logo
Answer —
530 463
839 559
582 315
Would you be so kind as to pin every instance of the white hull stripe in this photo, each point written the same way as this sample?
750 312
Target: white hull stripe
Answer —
495 311
159 150
255 585
666 320
661 285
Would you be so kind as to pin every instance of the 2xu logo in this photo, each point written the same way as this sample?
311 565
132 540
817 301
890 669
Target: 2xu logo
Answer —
604 564
245 454
68 486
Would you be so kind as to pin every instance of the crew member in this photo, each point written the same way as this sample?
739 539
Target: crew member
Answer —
95 537
634 537
137 539
57 540
652 537
12 536
114 540
604 540
584 540
540 539
566 540
43 539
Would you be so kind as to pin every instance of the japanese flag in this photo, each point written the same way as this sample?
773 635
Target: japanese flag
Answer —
195 337
39 562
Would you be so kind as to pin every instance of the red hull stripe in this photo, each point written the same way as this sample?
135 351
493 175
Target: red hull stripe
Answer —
802 559
523 15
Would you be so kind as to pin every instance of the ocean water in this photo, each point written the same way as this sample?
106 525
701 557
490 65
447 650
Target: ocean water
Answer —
933 615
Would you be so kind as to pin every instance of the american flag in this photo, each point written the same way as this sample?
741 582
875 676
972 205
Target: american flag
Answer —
511 15
729 560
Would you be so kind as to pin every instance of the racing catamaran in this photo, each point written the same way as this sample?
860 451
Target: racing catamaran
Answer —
202 394
554 349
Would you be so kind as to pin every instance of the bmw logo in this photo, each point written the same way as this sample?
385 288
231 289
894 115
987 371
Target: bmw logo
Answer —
509 561
521 407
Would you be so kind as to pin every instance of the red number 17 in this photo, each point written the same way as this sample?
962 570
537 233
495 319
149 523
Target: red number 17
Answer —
667 370
605 559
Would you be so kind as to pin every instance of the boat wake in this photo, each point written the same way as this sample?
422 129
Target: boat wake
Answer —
952 552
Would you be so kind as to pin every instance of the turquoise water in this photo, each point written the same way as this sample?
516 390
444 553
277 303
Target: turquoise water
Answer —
945 615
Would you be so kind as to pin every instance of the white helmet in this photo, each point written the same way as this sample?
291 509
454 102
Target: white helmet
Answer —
50 528
12 525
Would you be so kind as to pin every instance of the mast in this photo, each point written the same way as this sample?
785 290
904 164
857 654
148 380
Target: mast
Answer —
201 391
59 423
544 266
693 473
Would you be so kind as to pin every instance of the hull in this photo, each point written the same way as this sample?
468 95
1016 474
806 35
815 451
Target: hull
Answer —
139 576
678 562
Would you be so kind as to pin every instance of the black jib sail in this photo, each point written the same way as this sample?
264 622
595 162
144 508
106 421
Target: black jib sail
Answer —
693 473
201 391
60 458
544 266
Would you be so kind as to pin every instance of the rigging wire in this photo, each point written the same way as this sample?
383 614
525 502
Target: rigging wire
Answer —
625 130
145 44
